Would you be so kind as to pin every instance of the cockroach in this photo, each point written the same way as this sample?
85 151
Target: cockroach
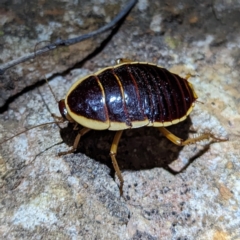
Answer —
129 95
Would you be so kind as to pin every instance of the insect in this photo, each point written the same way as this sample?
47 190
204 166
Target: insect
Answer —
129 95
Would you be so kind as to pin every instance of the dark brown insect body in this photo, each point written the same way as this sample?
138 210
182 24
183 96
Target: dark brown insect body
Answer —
130 95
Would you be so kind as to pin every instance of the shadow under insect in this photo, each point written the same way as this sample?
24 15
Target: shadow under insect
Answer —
139 149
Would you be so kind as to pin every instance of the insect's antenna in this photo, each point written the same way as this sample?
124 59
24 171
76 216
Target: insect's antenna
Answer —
26 130
51 89
35 50
59 119
199 102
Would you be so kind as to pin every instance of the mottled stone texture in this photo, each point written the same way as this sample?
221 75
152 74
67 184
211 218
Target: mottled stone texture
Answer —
170 192
28 26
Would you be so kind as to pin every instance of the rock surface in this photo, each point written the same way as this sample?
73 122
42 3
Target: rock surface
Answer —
170 192
26 27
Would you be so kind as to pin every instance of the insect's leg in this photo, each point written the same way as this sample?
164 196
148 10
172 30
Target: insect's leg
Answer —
113 153
82 132
123 60
180 142
190 85
57 118
188 76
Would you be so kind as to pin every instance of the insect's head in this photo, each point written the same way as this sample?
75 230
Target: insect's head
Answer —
63 111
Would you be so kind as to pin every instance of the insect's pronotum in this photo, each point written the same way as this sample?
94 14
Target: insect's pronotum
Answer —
129 95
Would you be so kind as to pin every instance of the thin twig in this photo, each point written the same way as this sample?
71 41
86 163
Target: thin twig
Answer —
70 41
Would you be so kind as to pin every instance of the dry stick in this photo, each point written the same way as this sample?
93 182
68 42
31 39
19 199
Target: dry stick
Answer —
70 41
